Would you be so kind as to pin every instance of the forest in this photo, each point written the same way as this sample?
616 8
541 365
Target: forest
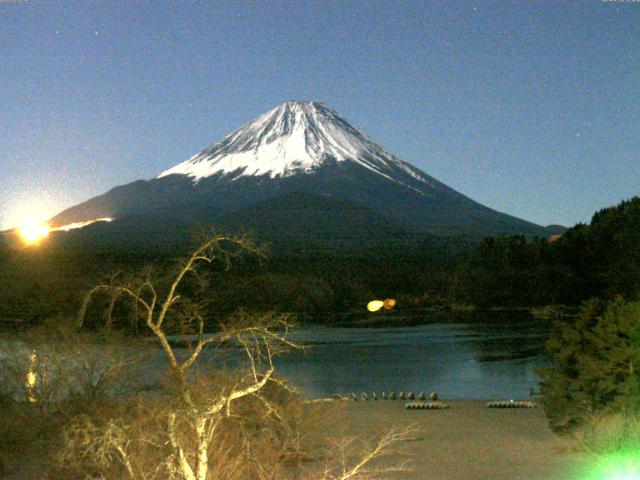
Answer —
600 259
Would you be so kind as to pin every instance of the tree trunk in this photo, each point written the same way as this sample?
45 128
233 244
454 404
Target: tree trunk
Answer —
183 464
202 454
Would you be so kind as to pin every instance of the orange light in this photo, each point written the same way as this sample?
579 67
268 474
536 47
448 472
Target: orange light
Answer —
389 303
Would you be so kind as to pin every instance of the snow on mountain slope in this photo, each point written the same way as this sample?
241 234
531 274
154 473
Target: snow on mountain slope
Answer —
295 137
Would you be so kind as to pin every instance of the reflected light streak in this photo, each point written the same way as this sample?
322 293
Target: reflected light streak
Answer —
73 226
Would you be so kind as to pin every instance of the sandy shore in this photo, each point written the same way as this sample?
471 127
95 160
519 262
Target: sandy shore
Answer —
469 441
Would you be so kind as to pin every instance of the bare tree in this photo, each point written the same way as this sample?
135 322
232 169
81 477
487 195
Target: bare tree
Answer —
196 421
261 338
354 459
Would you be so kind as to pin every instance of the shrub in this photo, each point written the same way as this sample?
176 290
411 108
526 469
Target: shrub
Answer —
610 433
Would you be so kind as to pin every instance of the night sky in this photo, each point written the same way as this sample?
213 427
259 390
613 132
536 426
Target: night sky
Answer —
531 108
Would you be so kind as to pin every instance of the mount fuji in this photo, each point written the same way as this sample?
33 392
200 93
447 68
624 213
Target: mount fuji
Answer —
298 170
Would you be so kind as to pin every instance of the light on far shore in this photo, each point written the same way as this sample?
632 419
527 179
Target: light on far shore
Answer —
389 303
375 305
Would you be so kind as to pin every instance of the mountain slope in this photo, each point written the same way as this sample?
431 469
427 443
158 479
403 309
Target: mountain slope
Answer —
300 147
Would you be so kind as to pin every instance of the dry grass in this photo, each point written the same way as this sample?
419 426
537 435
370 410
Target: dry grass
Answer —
609 433
469 441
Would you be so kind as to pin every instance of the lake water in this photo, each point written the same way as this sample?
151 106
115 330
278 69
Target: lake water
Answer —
466 357
481 359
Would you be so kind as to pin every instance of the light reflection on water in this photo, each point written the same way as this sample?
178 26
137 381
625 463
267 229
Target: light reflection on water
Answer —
458 360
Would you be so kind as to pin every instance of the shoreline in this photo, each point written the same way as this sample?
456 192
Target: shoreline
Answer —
468 441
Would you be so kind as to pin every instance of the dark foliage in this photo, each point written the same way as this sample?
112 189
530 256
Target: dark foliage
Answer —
318 281
596 361
601 260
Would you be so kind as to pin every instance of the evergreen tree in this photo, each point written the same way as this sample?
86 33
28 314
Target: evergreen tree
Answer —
596 363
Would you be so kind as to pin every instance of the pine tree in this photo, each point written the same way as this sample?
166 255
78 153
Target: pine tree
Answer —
596 362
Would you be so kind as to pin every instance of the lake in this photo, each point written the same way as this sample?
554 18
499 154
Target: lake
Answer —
458 359
471 356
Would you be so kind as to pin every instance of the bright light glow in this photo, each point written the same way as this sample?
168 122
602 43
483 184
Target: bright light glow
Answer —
618 466
389 303
375 305
31 378
33 232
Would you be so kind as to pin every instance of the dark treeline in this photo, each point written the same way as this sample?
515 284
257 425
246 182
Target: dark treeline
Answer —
601 259
314 284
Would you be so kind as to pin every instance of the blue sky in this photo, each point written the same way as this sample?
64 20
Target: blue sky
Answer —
531 108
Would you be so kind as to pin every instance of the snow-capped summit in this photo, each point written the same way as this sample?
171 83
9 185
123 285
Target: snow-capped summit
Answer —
294 137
